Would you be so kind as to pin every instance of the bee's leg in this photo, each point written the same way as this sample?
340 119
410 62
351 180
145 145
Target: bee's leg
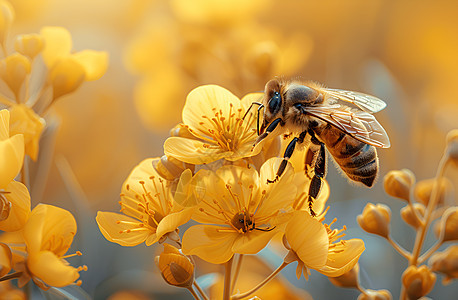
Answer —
320 167
269 129
288 153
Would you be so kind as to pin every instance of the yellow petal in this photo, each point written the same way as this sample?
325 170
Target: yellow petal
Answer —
4 124
344 259
116 232
19 197
208 243
252 242
58 44
308 238
29 44
51 269
202 101
6 18
95 63
192 151
66 76
24 120
171 222
11 158
46 224
5 259
13 71
189 190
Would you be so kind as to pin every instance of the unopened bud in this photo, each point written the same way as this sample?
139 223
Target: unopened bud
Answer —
424 188
446 262
347 280
418 281
448 228
375 295
397 183
66 76
452 146
411 217
375 219
176 268
13 71
29 44
170 168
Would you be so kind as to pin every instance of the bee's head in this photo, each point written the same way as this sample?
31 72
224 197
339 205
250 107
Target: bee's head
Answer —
272 102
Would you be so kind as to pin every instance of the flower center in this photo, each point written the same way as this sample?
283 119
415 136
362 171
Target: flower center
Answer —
227 131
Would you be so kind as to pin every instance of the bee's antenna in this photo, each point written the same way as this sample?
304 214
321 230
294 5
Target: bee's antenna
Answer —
259 109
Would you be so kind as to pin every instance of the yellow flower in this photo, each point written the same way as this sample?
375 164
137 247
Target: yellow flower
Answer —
150 211
240 211
313 246
214 116
11 151
48 235
24 120
68 70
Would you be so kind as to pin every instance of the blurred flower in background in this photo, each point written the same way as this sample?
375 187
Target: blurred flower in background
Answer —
160 50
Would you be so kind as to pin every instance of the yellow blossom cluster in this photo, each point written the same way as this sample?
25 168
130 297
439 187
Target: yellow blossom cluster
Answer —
212 174
39 69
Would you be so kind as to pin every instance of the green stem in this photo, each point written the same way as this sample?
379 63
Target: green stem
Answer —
260 285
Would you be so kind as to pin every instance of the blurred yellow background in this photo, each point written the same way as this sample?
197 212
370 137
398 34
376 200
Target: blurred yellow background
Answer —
404 52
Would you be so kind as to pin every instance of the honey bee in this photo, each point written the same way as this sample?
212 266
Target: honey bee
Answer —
338 120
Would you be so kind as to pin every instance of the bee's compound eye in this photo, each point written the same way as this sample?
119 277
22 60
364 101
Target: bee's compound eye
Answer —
274 103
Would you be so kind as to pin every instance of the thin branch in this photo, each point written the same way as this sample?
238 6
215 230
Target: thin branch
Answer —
237 272
431 250
200 290
227 279
194 294
260 285
400 249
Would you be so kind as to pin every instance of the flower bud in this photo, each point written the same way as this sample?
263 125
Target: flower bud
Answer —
176 268
448 229
375 295
408 215
418 281
66 76
452 146
6 19
446 262
29 45
170 168
375 219
397 183
424 188
13 71
347 280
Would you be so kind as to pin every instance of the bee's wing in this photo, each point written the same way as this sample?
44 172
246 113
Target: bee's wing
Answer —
359 124
366 102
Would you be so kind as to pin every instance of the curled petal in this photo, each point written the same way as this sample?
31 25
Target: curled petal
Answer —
309 239
123 230
209 243
19 197
51 269
343 258
5 259
66 76
171 222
